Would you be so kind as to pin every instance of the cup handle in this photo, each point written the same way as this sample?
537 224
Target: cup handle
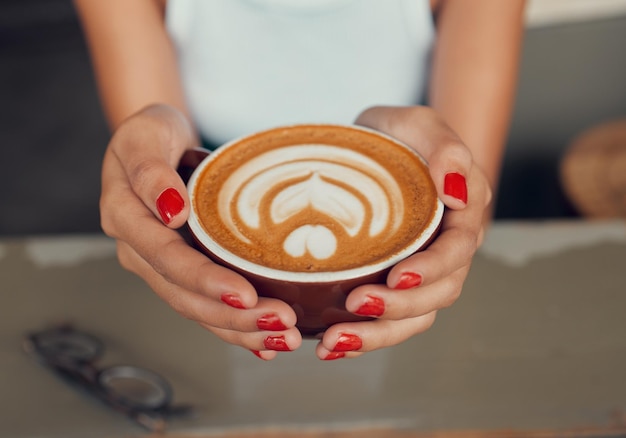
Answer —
190 159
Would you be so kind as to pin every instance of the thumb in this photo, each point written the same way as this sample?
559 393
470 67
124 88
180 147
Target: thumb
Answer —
148 147
421 128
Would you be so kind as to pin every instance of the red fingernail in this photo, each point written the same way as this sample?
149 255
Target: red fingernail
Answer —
455 186
232 301
332 355
348 342
373 306
169 204
409 280
270 322
276 343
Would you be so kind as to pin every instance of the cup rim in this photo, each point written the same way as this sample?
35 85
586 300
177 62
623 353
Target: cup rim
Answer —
202 236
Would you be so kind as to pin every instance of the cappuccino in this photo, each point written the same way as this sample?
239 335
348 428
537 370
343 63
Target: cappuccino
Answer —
315 199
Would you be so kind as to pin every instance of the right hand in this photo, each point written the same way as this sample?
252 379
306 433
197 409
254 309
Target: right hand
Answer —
144 201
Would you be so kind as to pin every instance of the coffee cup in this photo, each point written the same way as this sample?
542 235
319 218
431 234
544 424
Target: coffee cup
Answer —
308 212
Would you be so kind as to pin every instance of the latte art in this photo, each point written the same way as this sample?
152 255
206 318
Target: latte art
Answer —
293 181
314 199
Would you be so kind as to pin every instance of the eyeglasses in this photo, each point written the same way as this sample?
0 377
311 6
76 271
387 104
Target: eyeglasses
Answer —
138 393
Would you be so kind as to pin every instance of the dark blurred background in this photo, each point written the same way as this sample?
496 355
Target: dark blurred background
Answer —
53 133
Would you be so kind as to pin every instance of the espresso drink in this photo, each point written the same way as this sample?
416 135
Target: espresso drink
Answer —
315 198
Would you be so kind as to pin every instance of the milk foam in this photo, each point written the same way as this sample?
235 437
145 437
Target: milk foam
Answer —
339 183
317 240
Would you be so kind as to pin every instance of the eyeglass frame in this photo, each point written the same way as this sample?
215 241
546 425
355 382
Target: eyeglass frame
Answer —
82 371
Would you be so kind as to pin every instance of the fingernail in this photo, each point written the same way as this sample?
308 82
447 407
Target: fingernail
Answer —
257 353
276 343
455 186
232 301
373 306
332 355
270 322
348 342
409 280
169 204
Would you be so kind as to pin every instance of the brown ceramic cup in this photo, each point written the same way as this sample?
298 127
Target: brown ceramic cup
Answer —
306 213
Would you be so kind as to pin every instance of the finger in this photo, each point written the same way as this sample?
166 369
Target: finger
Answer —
459 237
285 341
267 315
420 127
126 218
168 256
168 260
428 280
383 303
265 354
353 339
191 305
148 147
327 355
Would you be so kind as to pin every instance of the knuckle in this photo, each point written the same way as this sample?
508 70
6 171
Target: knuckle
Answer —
180 302
471 239
107 223
420 112
488 195
198 275
452 154
230 320
161 268
411 309
482 186
141 174
407 309
465 244
410 115
454 288
456 150
182 274
167 126
126 259
452 296
481 236
175 301
386 339
429 320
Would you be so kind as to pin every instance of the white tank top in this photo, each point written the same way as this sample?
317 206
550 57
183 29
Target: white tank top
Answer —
253 64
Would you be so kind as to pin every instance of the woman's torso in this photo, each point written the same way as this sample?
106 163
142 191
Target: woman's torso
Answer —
252 64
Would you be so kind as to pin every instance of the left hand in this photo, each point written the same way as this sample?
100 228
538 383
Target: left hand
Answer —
431 279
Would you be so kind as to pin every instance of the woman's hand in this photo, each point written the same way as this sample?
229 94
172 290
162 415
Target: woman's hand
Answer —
144 201
432 279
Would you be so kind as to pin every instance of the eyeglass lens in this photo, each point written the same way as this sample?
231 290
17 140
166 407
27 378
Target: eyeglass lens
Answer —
136 387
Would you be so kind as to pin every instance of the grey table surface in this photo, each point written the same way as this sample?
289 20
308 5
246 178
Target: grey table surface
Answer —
537 341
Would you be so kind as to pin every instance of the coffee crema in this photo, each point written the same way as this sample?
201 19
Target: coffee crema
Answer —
315 198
